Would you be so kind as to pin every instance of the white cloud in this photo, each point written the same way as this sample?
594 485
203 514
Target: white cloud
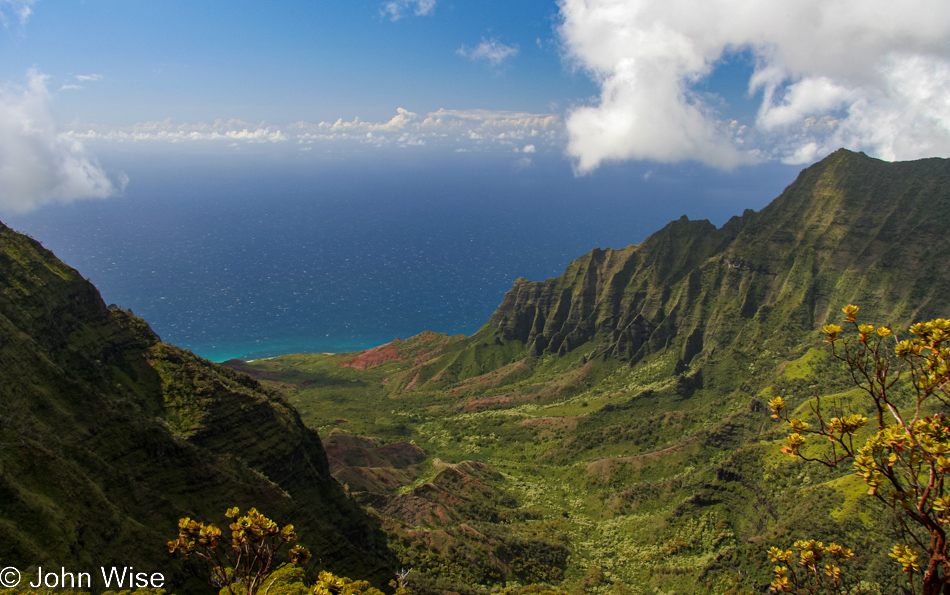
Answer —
396 9
220 130
40 164
21 8
83 78
867 74
475 130
807 97
489 49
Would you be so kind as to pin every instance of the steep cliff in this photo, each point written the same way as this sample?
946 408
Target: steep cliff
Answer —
849 229
624 401
108 436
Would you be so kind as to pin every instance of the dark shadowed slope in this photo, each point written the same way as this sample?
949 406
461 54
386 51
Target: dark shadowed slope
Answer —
108 437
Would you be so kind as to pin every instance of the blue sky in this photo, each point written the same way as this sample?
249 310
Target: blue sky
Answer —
288 61
725 83
469 142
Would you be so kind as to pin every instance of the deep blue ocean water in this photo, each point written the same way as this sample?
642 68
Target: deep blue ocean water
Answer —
254 255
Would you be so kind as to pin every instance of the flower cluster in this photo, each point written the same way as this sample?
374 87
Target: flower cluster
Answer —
905 457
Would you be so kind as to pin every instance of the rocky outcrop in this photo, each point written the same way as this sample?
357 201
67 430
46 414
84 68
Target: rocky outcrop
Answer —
741 265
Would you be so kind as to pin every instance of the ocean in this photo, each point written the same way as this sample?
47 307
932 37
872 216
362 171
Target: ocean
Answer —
252 255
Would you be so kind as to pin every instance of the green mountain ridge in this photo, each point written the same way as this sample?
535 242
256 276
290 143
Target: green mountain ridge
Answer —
605 431
849 229
623 402
109 436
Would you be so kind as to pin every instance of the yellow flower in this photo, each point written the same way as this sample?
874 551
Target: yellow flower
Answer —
850 310
798 425
832 331
777 405
907 557
795 442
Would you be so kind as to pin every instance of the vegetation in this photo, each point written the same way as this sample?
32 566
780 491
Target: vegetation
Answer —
904 457
607 431
108 436
819 570
623 403
247 565
249 561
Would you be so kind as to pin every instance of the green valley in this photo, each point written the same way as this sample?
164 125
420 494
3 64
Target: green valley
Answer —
608 430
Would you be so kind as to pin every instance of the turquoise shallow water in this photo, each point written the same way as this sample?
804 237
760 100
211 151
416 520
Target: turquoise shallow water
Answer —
254 259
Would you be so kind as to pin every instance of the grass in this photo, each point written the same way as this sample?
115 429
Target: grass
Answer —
612 460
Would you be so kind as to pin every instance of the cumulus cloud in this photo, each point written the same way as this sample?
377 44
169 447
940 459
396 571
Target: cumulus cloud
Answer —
396 9
491 50
867 74
39 163
474 130
19 8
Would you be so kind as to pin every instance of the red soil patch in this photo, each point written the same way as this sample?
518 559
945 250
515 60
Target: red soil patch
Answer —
402 453
376 356
493 378
507 399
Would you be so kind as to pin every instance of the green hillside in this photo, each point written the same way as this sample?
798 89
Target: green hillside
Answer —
108 436
606 430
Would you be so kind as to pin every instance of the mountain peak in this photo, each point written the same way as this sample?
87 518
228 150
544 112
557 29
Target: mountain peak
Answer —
801 255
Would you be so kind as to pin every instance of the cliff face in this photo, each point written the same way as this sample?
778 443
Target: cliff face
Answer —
605 293
108 436
625 400
849 229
